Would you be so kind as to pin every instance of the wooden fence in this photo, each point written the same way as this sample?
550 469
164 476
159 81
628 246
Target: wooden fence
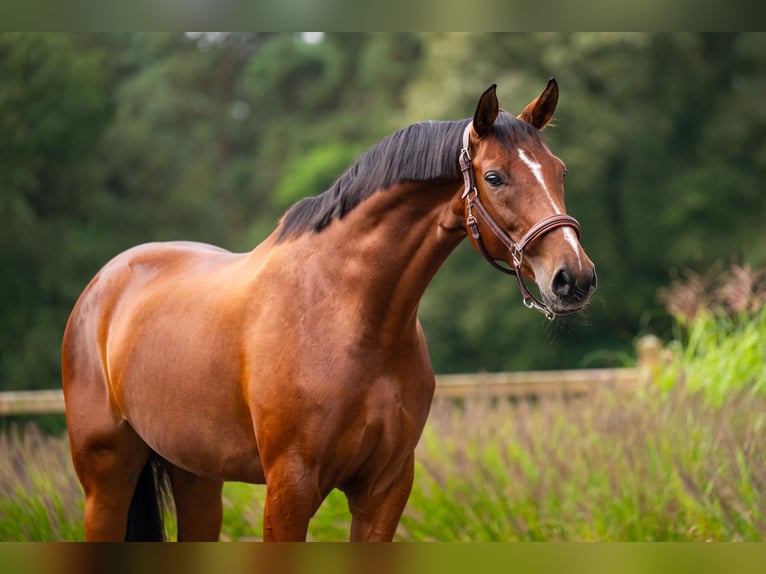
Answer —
515 384
533 383
31 402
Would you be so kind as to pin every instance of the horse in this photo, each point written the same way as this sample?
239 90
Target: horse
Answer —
302 364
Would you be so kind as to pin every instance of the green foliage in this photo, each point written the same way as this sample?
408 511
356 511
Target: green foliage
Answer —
678 461
613 466
720 336
52 108
40 498
662 174
318 169
609 467
719 355
110 140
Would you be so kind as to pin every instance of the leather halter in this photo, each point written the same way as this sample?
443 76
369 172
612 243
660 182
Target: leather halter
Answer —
476 211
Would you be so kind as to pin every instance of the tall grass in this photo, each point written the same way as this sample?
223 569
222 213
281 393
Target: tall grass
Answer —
719 355
720 343
40 498
612 466
683 459
649 465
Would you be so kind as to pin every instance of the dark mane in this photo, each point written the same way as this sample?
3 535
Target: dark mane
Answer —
426 152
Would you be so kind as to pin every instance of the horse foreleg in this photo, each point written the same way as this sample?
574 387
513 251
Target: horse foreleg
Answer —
199 508
292 498
375 516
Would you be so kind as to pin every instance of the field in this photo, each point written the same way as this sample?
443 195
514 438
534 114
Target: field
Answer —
615 466
681 460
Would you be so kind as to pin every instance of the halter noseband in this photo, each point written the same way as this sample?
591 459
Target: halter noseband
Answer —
474 208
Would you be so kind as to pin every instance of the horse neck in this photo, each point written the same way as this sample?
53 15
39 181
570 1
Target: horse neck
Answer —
384 253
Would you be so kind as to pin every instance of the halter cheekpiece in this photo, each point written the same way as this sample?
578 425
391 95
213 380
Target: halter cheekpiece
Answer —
476 212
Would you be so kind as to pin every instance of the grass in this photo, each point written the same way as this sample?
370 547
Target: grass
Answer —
610 467
40 498
648 465
720 343
720 355
681 460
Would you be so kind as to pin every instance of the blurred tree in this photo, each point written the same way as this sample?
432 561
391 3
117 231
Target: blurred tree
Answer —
316 106
52 111
109 140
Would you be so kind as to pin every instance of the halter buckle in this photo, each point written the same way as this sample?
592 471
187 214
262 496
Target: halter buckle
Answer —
518 256
466 168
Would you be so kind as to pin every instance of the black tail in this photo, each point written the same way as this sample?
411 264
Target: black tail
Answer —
145 522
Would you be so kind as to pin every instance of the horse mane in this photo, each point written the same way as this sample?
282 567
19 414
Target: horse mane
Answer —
423 152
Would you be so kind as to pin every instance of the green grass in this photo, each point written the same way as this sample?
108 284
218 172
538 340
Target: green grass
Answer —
649 465
611 467
719 355
40 498
683 459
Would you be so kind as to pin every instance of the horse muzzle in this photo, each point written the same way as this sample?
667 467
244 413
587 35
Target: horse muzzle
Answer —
570 291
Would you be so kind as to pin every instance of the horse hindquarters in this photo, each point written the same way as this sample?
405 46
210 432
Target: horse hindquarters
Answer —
114 469
108 456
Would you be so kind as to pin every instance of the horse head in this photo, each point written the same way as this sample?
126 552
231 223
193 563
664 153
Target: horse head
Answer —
514 203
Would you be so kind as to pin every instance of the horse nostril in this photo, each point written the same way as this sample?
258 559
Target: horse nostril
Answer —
563 283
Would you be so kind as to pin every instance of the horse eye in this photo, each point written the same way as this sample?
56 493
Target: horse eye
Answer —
493 178
564 173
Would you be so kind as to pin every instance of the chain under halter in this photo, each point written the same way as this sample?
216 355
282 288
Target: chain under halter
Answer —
476 212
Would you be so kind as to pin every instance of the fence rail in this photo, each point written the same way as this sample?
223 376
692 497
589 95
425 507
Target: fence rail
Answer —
49 402
515 384
533 383
518 385
462 386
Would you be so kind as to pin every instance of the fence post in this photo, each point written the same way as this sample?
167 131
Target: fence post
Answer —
648 348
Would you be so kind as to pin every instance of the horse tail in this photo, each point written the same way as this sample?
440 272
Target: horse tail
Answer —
145 522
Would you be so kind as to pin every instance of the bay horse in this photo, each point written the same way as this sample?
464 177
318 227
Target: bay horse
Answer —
302 364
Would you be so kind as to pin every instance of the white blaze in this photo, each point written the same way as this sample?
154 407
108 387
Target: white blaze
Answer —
537 171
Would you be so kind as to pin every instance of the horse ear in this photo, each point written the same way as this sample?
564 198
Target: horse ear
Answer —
486 112
540 111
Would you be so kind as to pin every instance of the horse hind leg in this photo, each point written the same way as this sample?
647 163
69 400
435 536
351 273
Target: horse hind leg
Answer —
110 467
199 506
109 458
